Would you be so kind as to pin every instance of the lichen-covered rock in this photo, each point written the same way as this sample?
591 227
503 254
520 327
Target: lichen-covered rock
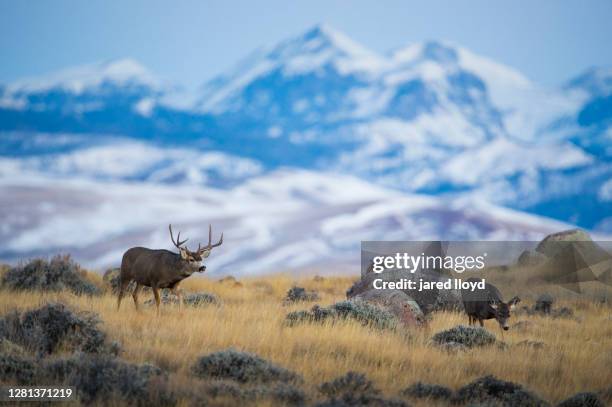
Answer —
398 303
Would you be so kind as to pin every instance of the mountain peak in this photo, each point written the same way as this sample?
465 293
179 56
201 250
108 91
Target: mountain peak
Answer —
320 30
78 79
324 44
331 37
435 59
436 51
316 49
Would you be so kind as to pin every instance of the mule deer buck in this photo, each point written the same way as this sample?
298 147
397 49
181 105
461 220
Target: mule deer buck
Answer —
162 268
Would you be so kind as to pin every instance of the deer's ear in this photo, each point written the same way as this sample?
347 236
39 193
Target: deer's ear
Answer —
512 303
184 254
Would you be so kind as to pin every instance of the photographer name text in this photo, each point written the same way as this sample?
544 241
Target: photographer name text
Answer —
423 285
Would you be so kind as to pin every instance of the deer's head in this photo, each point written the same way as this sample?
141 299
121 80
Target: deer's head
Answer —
194 258
502 311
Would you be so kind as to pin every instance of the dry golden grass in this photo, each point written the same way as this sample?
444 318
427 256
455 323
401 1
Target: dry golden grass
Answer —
577 357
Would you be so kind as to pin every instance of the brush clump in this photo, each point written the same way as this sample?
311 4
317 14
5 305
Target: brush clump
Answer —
242 367
58 274
54 326
489 389
361 311
462 335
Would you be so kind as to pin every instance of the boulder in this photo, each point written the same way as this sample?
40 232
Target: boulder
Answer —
548 246
428 300
397 302
573 258
530 258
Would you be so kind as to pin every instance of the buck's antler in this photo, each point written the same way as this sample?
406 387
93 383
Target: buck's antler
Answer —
178 242
210 245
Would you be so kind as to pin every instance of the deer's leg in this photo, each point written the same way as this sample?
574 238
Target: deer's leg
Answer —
481 323
122 287
179 294
135 295
156 294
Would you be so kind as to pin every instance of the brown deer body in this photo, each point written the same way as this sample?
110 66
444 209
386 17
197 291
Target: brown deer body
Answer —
162 268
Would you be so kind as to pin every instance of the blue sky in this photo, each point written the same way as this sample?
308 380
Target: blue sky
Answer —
190 41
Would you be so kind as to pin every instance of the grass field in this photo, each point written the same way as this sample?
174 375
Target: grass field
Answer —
577 355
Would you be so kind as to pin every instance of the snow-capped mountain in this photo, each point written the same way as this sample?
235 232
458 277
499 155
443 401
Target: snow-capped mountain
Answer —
320 53
431 118
86 88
